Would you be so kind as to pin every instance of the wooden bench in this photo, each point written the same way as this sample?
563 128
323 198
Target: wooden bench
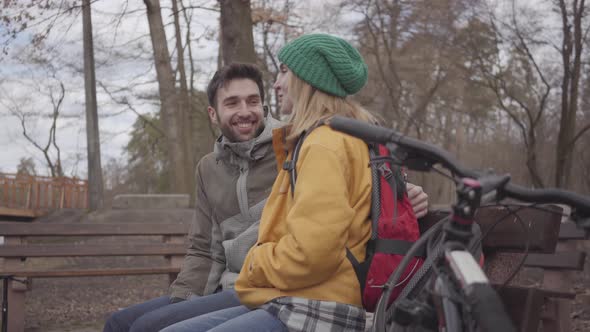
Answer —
551 250
24 241
543 303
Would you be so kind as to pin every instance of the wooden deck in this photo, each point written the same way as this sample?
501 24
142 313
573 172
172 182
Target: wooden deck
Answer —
33 196
15 212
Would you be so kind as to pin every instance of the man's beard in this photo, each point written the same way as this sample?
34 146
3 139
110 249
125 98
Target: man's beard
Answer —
227 132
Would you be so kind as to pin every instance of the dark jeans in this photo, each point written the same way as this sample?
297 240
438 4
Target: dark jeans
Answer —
158 313
230 320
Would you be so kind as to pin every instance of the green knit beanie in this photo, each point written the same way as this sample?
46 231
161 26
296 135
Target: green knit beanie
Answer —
327 63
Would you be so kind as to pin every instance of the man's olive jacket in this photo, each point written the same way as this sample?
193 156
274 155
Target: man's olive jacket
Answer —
232 185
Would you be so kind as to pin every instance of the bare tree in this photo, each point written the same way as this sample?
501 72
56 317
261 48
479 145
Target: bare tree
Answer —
574 35
50 150
407 46
521 88
26 166
274 23
203 130
183 101
95 184
181 170
237 41
18 16
525 89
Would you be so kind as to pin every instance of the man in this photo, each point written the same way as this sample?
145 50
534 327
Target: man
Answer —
232 184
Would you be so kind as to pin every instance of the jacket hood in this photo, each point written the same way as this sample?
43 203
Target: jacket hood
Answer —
252 150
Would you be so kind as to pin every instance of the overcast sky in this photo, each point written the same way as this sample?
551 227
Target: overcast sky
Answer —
124 64
26 87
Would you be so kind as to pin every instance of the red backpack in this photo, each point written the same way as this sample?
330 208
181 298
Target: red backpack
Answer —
394 227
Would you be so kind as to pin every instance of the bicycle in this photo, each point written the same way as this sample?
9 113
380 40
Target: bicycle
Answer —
454 292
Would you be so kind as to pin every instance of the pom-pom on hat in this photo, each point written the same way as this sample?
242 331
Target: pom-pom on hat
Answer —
327 63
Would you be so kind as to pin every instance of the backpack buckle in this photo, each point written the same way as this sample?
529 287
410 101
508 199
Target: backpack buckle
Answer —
288 165
385 171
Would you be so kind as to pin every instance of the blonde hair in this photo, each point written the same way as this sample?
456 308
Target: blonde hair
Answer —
310 106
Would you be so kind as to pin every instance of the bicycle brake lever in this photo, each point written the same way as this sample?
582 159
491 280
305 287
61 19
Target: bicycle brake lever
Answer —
581 221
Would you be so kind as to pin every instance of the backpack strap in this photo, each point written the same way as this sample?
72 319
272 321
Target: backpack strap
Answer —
290 165
385 246
396 247
375 191
361 269
380 168
394 175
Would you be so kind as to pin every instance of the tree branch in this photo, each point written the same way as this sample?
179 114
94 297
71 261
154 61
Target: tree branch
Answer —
579 134
126 102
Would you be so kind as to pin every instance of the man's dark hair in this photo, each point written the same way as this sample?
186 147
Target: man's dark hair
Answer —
232 72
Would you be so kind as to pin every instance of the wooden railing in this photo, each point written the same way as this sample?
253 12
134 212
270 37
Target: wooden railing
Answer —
35 195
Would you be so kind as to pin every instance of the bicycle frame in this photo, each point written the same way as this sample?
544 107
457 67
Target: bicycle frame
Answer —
463 273
457 273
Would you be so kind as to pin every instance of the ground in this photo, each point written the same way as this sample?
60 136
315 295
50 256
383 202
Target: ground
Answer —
83 304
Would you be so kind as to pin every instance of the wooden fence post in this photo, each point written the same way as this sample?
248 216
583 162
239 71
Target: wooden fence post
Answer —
16 292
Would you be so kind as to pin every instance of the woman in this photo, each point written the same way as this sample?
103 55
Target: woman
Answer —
298 277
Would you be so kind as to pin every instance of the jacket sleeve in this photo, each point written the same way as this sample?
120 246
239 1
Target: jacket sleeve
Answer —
317 226
237 248
204 260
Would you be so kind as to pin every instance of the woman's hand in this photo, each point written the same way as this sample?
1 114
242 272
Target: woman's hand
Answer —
418 199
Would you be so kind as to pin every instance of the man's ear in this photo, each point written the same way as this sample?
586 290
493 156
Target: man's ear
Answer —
212 115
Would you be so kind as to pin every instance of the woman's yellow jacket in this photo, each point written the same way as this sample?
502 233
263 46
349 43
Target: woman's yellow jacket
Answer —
302 240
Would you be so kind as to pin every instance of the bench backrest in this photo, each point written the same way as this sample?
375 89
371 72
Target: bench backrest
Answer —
508 234
111 229
17 236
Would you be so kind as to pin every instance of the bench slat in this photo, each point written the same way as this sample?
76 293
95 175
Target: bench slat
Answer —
545 292
68 229
89 272
523 305
561 260
64 250
508 235
569 231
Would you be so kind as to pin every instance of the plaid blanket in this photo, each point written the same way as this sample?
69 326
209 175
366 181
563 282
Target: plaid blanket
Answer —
304 315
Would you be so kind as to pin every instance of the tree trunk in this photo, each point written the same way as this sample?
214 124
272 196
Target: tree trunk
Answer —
572 44
531 159
237 42
169 107
95 185
184 104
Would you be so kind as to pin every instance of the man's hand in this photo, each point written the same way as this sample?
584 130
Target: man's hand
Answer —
418 198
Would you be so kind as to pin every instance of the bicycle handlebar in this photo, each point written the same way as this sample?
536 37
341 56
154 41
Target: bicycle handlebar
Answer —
432 154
